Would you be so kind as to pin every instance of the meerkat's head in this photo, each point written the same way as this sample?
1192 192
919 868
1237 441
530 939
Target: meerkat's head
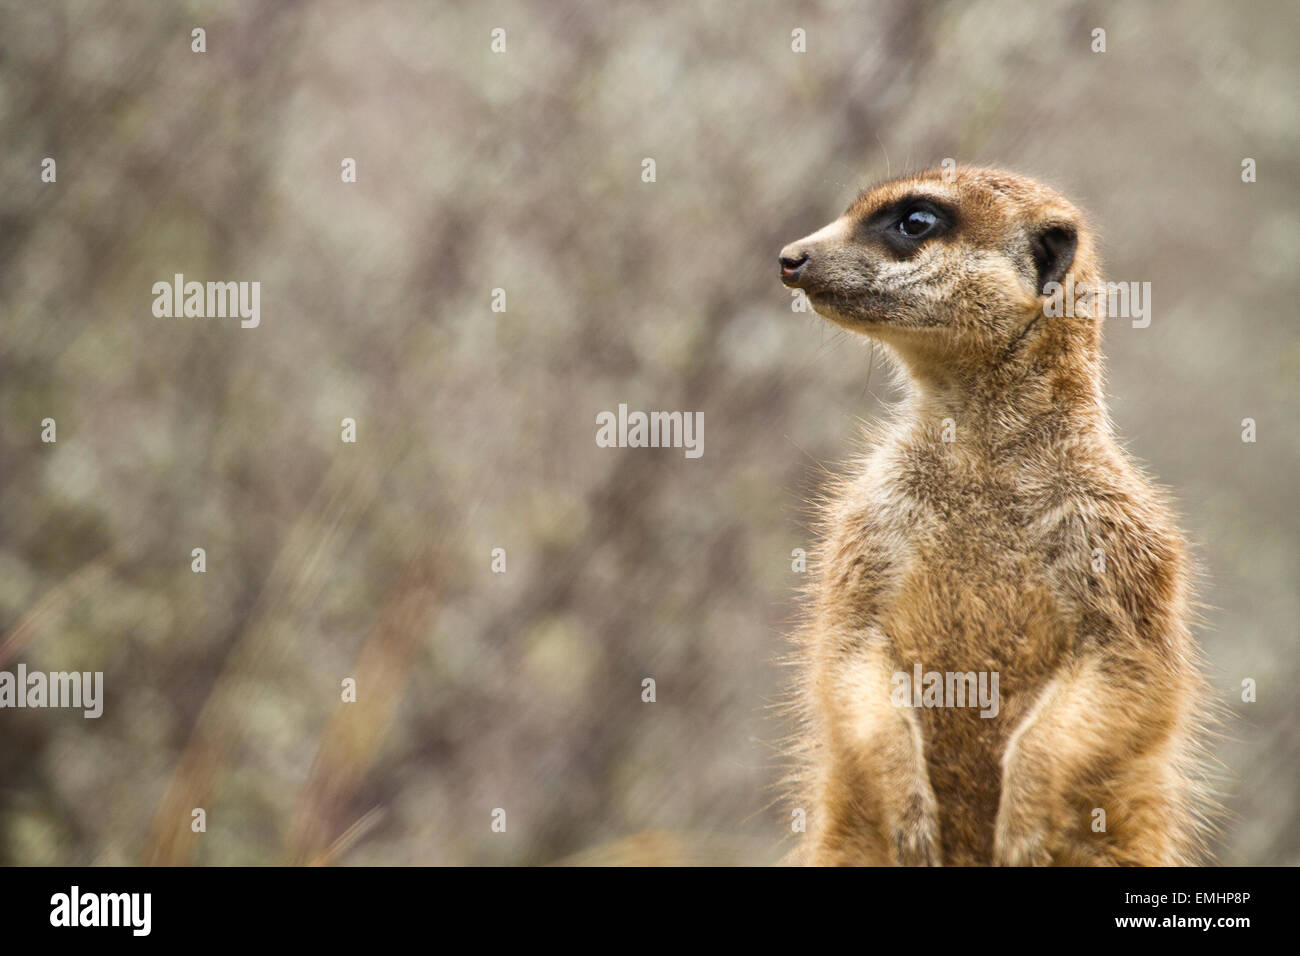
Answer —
949 268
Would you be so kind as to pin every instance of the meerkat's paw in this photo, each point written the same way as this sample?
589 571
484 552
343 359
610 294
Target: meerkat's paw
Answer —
1020 841
916 837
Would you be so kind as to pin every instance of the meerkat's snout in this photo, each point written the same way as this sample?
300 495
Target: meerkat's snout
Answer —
804 263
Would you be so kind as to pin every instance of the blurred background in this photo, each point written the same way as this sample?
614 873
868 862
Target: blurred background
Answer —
522 171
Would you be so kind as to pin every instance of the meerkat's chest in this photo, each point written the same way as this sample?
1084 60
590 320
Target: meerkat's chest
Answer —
972 589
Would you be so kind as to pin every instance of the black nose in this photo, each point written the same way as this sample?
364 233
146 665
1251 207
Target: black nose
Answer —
791 266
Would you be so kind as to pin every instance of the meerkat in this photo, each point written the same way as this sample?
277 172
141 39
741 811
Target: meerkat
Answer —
994 527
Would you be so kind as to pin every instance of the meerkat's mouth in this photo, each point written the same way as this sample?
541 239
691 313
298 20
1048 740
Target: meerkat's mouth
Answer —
844 309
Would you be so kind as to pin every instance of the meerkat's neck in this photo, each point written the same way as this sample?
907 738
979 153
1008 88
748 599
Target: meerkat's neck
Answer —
1046 393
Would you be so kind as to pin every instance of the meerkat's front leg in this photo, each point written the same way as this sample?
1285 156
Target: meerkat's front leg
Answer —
1084 720
876 800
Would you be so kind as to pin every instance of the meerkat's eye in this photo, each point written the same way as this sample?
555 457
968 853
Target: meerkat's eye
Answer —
917 223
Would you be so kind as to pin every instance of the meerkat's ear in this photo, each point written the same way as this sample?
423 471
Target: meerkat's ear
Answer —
1053 245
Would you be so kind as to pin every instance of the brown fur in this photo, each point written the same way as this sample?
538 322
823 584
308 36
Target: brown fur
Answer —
978 555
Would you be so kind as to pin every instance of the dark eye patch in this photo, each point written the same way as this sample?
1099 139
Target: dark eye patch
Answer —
904 225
